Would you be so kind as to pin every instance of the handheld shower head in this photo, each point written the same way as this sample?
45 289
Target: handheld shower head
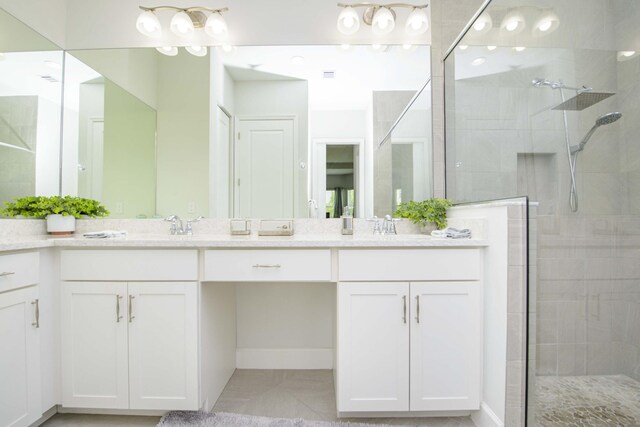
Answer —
605 119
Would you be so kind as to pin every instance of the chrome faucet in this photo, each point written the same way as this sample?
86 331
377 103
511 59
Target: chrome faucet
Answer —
384 226
179 228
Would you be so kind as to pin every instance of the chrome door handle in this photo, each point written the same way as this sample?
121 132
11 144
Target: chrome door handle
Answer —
118 317
36 302
131 316
404 312
417 308
266 266
7 273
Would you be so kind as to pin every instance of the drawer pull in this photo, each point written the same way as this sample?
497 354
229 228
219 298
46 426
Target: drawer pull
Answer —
36 302
417 308
266 265
404 313
131 316
118 317
7 273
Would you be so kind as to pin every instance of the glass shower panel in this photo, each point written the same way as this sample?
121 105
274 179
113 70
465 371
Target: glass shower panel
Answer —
555 115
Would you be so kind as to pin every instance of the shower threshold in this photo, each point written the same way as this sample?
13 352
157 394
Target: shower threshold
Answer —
592 400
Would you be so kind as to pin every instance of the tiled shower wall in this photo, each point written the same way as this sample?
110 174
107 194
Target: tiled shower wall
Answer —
505 142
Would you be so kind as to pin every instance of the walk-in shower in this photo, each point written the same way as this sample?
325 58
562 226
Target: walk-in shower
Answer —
584 98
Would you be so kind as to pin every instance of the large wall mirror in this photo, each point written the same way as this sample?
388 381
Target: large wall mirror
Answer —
260 132
30 106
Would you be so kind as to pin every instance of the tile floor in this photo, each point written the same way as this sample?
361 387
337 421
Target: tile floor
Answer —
272 393
589 401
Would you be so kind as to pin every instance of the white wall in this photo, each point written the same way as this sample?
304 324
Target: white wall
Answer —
48 17
281 98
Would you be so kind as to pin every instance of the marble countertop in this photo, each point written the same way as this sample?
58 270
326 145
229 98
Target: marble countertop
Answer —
228 241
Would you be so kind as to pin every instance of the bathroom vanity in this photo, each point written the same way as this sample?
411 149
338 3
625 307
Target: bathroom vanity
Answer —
149 324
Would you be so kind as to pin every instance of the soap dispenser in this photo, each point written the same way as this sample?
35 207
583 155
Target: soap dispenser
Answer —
347 221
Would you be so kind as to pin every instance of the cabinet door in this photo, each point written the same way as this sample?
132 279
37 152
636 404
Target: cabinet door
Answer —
163 346
373 347
94 345
445 346
19 359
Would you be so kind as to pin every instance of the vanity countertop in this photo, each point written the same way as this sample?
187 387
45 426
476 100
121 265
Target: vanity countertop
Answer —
228 241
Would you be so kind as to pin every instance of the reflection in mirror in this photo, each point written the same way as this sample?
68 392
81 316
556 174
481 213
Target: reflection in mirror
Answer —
30 104
268 132
109 143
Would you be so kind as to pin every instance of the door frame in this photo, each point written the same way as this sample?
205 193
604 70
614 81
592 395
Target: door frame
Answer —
319 171
214 211
234 154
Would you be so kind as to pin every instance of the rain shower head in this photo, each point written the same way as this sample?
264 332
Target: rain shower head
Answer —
605 119
582 100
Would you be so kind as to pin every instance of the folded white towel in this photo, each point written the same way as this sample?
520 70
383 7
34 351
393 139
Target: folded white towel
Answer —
105 234
452 233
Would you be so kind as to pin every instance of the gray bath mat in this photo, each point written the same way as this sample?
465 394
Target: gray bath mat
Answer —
222 419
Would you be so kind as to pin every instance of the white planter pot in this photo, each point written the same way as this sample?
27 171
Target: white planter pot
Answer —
60 224
427 228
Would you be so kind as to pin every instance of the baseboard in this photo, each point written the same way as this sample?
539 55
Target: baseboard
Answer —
485 417
45 416
92 411
285 358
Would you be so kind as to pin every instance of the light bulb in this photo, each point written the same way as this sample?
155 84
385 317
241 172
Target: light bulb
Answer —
148 24
181 24
483 24
383 21
417 22
216 26
513 22
197 50
168 50
348 21
547 23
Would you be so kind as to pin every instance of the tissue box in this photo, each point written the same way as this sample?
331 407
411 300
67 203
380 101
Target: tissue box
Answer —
240 226
276 227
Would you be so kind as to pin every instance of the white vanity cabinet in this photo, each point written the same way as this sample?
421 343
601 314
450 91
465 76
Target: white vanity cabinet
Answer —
20 389
409 345
130 344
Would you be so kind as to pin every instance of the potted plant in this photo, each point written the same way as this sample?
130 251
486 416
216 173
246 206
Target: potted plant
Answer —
429 214
60 211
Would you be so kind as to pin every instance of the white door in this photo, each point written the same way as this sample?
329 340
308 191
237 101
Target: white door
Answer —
265 169
94 345
163 346
373 347
19 359
222 188
445 346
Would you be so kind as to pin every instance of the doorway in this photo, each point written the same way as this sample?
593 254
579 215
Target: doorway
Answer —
338 177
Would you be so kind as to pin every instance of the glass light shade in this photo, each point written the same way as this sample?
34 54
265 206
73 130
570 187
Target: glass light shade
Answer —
483 24
417 22
348 21
197 50
182 25
513 22
148 24
383 21
168 50
216 25
546 24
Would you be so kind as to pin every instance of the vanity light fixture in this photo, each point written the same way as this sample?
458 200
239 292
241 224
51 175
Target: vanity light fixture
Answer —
483 24
546 24
197 50
382 18
184 22
513 22
168 50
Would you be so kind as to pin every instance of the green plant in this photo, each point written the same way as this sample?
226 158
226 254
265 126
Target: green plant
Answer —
428 211
41 206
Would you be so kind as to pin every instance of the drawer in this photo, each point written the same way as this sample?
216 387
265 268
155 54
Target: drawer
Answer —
276 265
409 264
19 270
129 264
